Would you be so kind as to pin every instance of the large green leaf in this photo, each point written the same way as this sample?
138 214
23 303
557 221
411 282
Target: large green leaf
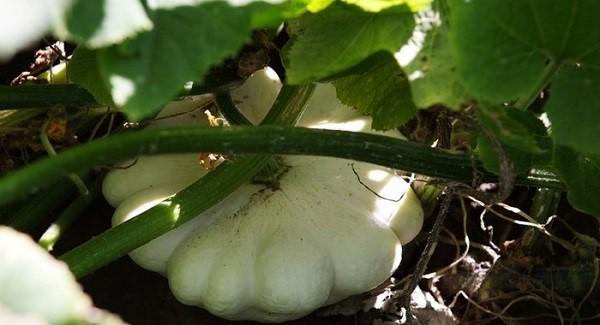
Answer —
380 90
369 5
146 72
432 72
97 23
507 49
580 172
340 37
378 5
574 105
82 69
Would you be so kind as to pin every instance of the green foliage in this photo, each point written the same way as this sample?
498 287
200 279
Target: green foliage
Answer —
432 73
380 90
580 172
340 37
574 106
515 51
378 5
522 135
83 70
506 48
141 72
514 127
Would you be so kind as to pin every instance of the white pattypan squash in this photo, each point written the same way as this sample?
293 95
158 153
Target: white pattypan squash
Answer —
275 255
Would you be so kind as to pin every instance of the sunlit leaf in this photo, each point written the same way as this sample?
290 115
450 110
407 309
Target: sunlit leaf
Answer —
342 36
380 90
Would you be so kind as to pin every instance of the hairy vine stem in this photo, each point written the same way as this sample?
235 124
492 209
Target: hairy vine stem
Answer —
377 149
506 177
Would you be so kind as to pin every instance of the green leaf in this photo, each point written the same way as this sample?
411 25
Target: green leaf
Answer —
522 135
580 172
378 5
340 37
381 90
82 69
35 286
369 5
97 23
514 127
432 73
507 49
146 72
574 106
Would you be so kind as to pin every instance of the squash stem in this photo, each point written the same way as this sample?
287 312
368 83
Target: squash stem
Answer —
38 208
376 149
544 205
274 168
67 217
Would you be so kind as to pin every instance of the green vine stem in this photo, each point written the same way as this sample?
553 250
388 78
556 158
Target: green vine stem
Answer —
188 203
66 218
43 96
229 111
79 183
377 149
544 205
12 118
38 208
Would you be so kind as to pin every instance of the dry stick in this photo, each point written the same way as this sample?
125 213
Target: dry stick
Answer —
79 183
428 251
484 248
451 240
462 256
501 313
505 186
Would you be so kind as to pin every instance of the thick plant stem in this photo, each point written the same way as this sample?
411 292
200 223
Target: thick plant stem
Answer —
270 173
544 205
79 183
66 218
38 208
44 96
231 113
188 203
12 118
377 149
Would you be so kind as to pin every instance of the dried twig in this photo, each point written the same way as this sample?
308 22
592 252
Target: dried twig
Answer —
428 251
